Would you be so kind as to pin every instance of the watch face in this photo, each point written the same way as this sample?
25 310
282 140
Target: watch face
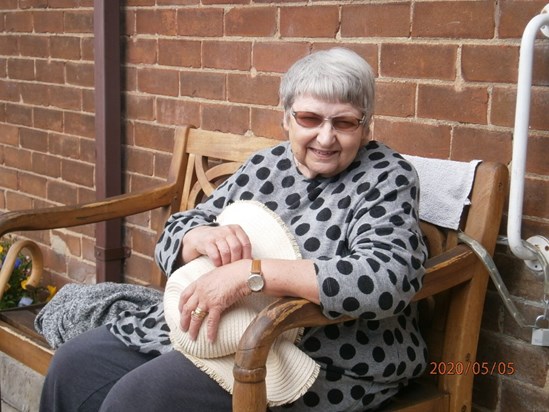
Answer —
256 282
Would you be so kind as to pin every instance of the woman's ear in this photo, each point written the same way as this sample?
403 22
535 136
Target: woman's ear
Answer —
365 138
285 124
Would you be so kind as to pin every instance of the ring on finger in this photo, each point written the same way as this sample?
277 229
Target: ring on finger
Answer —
199 314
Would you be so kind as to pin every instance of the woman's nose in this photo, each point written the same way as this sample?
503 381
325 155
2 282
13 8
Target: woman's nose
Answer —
326 134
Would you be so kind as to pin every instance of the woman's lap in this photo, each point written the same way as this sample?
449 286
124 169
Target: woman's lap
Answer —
96 366
169 382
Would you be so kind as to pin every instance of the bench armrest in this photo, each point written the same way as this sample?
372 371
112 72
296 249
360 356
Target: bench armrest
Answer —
86 213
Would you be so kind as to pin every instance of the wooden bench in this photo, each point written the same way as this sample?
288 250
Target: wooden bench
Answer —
451 300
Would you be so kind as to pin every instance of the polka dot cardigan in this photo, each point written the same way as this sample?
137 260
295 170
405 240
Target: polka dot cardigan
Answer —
361 230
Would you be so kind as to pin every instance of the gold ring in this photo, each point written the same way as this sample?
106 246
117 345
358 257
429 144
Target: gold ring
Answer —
199 314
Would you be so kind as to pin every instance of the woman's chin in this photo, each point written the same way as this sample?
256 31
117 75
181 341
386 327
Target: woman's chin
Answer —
316 171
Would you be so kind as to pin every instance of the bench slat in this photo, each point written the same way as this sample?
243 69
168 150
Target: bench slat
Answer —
20 347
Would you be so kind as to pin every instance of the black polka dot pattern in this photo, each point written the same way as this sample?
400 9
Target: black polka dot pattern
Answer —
360 229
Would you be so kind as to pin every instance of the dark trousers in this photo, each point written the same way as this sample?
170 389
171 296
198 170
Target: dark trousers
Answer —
97 372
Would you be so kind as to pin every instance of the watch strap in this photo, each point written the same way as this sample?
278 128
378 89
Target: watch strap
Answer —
256 266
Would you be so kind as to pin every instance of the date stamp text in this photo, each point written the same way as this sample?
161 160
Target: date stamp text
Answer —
476 368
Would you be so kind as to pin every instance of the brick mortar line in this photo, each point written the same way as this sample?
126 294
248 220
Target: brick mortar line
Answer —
373 40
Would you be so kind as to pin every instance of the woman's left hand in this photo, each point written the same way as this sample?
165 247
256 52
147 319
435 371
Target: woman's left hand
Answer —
212 294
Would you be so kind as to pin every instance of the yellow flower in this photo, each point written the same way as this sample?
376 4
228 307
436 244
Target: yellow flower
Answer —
52 290
24 283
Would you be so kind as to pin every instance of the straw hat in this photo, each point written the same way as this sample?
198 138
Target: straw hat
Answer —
290 372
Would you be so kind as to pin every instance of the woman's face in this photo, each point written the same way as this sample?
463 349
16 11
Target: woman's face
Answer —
323 150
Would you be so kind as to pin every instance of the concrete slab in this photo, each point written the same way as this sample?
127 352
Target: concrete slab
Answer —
20 386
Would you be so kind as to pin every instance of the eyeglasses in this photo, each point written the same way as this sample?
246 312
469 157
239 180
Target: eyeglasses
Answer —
311 120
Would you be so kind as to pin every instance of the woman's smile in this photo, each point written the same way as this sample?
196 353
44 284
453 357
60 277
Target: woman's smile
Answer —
323 154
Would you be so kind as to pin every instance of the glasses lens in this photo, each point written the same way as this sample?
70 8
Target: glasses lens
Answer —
308 119
311 120
345 124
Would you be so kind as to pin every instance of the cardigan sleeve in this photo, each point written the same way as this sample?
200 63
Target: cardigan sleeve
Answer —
169 245
382 268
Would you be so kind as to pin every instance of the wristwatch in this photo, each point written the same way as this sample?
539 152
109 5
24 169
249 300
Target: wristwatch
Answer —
256 281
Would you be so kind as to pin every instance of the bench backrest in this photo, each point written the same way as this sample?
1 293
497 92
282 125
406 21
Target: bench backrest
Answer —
207 158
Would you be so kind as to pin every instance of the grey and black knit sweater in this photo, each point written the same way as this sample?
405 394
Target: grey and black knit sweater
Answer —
361 230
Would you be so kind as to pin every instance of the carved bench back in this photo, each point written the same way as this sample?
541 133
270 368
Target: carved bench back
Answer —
214 156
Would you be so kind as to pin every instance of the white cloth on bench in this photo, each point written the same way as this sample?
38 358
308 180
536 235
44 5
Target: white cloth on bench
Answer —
444 189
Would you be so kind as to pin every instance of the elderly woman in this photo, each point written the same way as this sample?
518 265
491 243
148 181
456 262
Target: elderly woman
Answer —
352 205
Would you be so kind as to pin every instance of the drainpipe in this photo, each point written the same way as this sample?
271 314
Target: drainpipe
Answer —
109 252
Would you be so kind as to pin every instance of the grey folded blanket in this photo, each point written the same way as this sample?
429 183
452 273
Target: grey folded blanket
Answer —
77 308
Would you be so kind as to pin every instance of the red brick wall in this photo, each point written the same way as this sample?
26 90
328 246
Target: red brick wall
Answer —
446 72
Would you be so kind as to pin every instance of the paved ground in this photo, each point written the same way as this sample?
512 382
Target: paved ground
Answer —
20 386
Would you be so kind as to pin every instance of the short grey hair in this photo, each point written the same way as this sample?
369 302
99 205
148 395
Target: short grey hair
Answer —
338 75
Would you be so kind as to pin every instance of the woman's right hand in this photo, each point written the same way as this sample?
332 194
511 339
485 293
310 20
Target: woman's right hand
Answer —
222 244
